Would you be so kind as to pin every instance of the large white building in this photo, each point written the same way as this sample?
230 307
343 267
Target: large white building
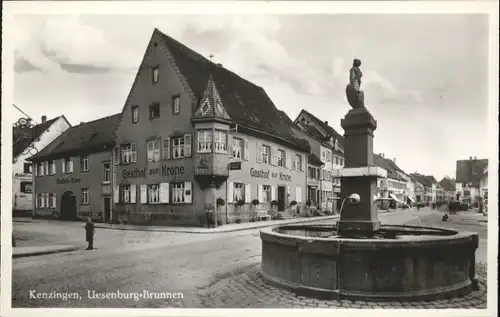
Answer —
28 140
468 176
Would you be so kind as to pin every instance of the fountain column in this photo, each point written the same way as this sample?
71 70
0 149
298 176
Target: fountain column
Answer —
359 175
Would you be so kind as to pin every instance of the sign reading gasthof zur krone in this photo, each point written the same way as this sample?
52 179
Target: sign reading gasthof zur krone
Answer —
267 174
165 170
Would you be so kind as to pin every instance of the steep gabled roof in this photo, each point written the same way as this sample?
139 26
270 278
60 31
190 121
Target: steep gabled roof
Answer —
246 104
447 184
211 104
470 171
89 137
386 164
315 160
329 130
422 179
23 137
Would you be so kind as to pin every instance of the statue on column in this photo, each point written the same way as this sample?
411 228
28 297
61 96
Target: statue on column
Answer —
355 96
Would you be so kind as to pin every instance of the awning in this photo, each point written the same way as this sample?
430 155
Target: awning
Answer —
394 197
411 199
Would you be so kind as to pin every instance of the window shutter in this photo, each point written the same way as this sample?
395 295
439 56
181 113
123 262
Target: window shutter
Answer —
187 145
164 193
133 155
116 194
289 157
55 168
260 193
298 194
259 154
46 200
166 148
133 193
188 193
230 190
37 201
230 145
54 200
46 165
245 149
35 169
273 193
303 167
116 155
70 165
248 193
144 194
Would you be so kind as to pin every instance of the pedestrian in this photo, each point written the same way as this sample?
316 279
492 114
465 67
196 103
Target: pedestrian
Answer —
89 233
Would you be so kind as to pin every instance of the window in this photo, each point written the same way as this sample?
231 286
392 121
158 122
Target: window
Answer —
26 187
154 110
125 194
52 200
178 196
281 158
220 141
238 192
176 104
297 162
107 172
178 147
266 193
156 74
52 167
27 169
41 200
154 194
154 150
129 153
84 163
40 169
68 165
237 148
135 114
84 196
204 141
265 153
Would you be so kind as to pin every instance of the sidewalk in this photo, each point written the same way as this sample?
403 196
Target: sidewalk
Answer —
219 229
19 252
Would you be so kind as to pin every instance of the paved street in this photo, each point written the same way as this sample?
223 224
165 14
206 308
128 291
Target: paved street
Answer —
211 270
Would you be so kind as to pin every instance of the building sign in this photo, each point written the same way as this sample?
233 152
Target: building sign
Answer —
163 171
70 180
235 166
268 174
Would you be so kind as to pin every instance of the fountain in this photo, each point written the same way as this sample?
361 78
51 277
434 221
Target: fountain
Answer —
359 258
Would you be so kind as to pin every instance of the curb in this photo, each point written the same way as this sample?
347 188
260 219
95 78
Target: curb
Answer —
194 231
42 252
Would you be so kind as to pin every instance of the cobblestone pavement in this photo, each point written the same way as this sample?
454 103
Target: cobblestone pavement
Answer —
247 290
215 270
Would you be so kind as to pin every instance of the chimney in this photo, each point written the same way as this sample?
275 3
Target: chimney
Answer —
470 158
219 64
394 160
326 122
475 157
44 119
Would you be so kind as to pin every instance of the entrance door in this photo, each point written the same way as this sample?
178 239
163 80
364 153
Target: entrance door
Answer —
281 198
107 209
68 206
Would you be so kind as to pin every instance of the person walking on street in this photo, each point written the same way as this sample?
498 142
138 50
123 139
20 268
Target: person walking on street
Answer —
89 233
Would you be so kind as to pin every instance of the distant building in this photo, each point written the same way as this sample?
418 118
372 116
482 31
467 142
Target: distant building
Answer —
328 145
468 175
449 187
395 185
427 188
73 175
27 141
483 188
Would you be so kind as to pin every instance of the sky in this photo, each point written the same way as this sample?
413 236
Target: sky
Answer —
425 76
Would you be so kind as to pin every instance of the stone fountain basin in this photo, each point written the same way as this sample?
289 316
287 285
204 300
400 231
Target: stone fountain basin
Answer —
399 263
